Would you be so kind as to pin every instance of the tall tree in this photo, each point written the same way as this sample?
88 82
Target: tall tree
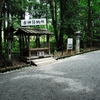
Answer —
62 12
89 24
11 11
1 4
53 9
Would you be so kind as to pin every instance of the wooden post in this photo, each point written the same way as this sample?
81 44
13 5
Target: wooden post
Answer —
37 41
48 43
29 45
9 49
21 44
66 48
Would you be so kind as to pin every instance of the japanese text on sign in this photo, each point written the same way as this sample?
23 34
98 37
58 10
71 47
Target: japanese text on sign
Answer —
30 22
70 43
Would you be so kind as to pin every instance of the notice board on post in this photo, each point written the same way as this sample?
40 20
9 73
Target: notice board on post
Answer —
69 43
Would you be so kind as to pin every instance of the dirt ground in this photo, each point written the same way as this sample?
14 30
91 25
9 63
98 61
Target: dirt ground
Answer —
16 64
72 52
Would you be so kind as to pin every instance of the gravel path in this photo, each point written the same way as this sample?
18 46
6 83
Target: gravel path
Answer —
73 78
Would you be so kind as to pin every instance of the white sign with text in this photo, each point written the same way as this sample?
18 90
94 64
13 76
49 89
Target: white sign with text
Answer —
30 22
70 43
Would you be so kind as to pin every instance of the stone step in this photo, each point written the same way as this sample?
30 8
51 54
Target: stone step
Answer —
43 61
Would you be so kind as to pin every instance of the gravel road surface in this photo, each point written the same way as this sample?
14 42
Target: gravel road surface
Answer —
73 78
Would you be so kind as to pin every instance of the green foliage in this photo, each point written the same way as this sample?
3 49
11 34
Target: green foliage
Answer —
64 17
32 44
15 46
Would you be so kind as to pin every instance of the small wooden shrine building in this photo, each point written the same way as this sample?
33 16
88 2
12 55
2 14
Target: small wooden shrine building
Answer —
26 51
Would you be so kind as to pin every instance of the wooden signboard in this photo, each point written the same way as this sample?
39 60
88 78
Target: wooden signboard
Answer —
30 22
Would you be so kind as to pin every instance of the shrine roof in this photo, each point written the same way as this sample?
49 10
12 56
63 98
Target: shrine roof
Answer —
32 31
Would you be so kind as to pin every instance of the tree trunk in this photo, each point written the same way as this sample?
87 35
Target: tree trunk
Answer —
62 9
89 25
53 10
0 37
1 4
